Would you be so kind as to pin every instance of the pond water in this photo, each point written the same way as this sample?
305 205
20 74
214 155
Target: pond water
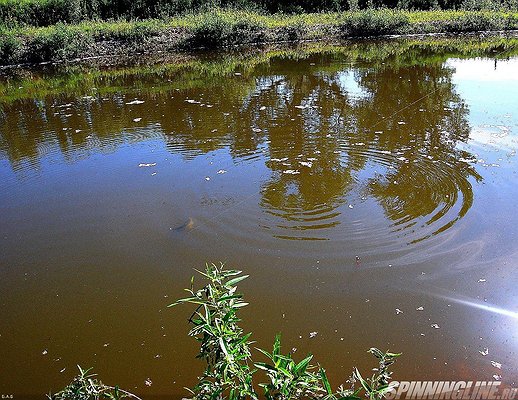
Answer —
368 189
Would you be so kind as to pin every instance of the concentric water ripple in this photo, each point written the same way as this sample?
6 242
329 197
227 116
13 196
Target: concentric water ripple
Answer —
409 194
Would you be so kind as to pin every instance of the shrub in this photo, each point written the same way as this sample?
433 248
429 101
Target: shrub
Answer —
41 12
218 29
293 32
11 48
489 5
57 43
374 23
473 22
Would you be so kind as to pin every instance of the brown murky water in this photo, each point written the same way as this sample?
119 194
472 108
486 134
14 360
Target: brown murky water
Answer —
369 190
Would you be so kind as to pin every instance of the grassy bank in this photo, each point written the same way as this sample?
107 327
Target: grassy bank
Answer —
220 28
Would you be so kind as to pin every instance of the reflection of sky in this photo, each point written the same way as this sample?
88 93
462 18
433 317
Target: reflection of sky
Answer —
349 84
492 95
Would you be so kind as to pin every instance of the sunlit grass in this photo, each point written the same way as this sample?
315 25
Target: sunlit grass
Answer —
223 28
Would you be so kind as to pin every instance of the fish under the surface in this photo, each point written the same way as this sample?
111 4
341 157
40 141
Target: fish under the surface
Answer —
185 227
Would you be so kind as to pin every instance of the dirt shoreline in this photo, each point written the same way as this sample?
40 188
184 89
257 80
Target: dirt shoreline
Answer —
167 47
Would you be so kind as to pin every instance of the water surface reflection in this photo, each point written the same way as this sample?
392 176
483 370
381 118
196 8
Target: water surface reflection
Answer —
348 181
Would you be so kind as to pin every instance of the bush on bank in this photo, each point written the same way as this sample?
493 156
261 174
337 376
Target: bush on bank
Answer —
50 12
224 28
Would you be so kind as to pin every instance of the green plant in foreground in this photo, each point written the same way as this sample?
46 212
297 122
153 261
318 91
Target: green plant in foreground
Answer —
289 380
226 350
86 387
379 384
224 346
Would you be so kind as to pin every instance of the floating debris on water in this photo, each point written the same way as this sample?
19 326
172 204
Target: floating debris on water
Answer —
148 382
435 326
481 280
421 308
221 171
312 334
135 102
137 119
496 364
144 165
45 352
484 352
207 178
398 311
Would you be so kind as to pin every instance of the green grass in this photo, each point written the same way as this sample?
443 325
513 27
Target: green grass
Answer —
224 28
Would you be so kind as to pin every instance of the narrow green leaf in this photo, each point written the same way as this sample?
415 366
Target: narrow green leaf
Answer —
363 382
232 282
325 381
277 345
264 366
300 368
265 353
234 296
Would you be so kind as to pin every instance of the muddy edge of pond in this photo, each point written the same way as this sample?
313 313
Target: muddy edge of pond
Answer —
171 43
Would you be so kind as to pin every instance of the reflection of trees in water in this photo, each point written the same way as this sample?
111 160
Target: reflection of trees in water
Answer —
404 123
432 180
320 126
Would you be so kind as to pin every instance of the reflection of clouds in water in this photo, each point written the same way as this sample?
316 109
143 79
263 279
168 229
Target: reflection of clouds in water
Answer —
497 136
349 85
481 70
